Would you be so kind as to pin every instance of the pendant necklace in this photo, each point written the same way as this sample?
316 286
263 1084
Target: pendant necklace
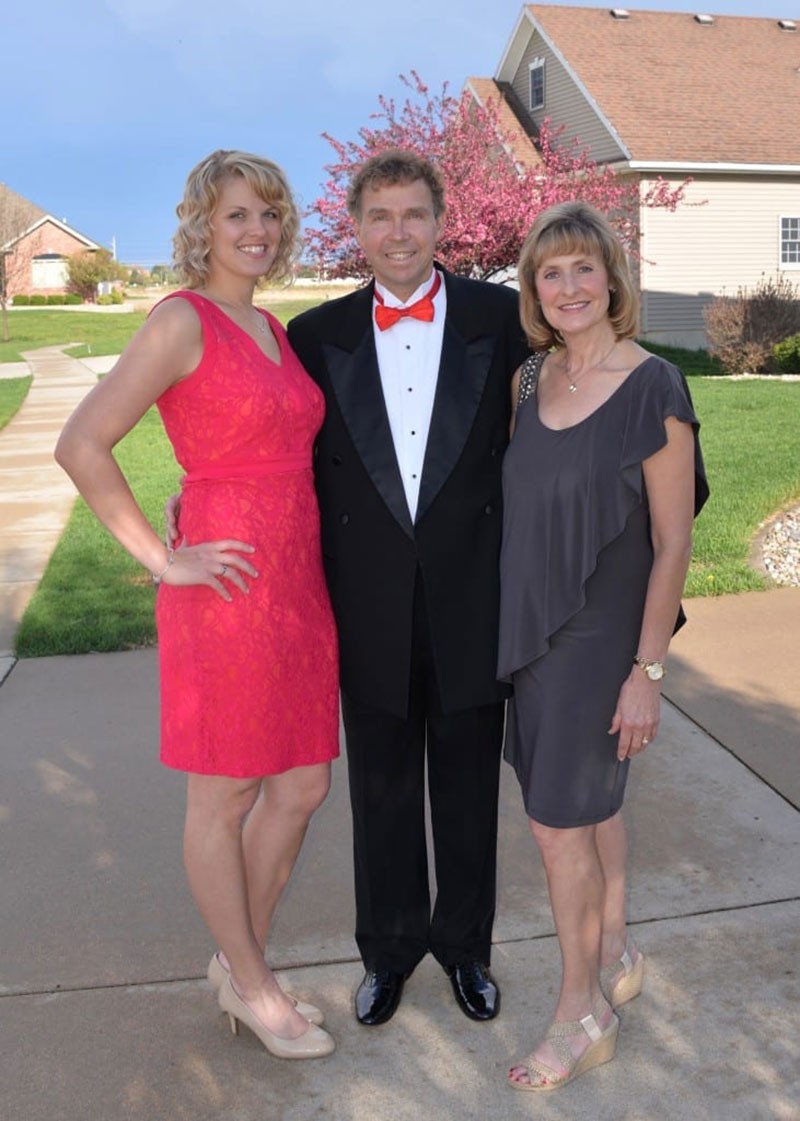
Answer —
573 382
261 323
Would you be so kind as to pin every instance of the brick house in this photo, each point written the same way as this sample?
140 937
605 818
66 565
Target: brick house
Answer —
714 98
34 247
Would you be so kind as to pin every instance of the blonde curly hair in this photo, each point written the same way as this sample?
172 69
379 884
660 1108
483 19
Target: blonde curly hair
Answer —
192 240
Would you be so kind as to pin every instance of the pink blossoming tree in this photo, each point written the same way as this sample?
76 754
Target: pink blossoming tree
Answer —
492 199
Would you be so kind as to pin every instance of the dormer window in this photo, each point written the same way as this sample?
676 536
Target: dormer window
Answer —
536 70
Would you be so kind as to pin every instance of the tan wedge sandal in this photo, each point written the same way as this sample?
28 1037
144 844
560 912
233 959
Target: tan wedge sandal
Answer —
600 1050
622 987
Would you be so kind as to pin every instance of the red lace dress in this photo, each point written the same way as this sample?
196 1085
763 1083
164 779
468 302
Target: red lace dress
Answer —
249 687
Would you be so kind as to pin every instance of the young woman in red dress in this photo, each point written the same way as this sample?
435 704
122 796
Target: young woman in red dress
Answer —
247 646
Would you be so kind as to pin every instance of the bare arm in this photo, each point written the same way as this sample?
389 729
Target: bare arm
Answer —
165 350
669 479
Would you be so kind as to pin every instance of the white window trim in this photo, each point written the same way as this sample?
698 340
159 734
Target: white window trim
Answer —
786 266
536 64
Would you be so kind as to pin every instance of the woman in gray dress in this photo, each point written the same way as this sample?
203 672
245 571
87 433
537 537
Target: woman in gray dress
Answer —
601 481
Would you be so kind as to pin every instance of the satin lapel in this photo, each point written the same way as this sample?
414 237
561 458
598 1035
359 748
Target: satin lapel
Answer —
463 370
356 383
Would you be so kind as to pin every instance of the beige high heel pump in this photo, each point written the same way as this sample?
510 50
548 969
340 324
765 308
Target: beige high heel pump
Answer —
314 1043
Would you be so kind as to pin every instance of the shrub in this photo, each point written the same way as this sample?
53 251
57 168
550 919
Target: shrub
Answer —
116 296
20 301
73 298
37 301
105 300
787 355
743 329
55 300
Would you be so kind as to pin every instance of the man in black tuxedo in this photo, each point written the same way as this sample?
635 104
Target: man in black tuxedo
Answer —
416 370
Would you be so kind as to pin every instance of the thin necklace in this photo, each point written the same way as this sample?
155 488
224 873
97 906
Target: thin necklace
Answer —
261 324
573 382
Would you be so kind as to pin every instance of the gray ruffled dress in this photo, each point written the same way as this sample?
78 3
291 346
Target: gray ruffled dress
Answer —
575 563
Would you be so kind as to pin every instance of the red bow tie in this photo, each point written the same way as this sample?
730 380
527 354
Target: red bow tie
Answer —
422 309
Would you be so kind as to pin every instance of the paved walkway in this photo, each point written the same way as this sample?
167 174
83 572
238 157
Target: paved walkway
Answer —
36 496
104 1009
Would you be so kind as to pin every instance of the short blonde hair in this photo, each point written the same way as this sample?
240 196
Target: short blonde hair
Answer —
575 227
192 240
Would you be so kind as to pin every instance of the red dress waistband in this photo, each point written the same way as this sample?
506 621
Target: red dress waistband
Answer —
292 461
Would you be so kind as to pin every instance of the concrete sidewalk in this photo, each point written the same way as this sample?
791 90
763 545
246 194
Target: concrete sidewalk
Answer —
105 1012
36 496
735 670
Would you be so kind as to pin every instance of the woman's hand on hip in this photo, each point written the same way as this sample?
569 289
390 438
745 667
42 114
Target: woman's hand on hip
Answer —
211 563
637 714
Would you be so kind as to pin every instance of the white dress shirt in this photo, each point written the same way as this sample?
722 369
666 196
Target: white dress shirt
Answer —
408 359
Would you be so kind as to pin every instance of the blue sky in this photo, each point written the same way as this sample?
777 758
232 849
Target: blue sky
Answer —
107 104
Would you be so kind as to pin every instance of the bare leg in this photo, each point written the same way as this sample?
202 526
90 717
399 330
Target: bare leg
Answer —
273 834
576 886
612 847
213 854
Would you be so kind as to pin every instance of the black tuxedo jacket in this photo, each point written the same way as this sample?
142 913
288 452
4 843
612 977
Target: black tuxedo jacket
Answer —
370 547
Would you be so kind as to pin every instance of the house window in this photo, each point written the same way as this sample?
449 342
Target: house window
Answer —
536 69
48 270
790 243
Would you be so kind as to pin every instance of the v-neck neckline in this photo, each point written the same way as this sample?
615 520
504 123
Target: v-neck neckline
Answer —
275 334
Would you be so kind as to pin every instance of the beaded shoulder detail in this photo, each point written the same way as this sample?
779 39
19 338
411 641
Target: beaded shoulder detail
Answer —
529 376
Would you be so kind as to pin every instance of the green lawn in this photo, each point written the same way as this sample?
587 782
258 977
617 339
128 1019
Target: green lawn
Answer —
94 597
12 394
106 333
97 332
749 437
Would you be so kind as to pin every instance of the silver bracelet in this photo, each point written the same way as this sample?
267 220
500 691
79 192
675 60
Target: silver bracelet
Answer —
159 576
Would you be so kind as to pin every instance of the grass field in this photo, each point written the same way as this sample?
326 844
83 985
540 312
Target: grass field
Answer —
12 394
97 333
94 597
749 438
105 332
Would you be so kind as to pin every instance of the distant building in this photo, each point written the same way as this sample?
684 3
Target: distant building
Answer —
714 98
34 247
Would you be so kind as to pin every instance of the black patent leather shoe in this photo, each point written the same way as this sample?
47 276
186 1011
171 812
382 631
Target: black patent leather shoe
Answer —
378 996
475 991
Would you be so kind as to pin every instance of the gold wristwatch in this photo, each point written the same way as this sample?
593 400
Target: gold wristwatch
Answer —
654 670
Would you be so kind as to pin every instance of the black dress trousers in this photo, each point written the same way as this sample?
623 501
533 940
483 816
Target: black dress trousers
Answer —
386 766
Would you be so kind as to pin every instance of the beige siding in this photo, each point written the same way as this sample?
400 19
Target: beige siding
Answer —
564 103
727 237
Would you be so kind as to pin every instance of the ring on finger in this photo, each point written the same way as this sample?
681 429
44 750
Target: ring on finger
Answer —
645 739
